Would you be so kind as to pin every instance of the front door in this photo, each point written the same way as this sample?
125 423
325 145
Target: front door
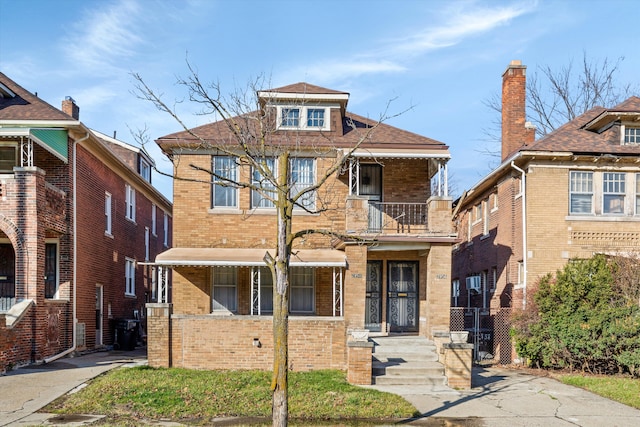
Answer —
7 277
370 186
402 296
373 307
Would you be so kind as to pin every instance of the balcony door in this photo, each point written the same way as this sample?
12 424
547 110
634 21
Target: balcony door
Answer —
370 186
402 296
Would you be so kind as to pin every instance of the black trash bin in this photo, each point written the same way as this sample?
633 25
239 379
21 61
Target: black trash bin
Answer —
126 334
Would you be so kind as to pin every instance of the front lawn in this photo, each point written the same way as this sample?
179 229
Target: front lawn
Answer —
621 389
200 396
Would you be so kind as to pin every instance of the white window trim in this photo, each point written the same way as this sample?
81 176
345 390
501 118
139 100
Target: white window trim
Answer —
166 230
594 182
130 203
623 194
145 166
129 277
154 227
302 125
108 206
214 181
623 131
146 244
213 286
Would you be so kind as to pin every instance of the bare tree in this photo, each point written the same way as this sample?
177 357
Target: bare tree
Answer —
556 96
252 139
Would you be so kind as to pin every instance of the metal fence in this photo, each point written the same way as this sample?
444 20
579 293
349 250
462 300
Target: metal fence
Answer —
488 332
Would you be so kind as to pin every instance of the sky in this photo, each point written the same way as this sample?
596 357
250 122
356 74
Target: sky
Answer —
438 62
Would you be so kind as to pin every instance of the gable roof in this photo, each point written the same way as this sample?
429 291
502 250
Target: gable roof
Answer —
27 106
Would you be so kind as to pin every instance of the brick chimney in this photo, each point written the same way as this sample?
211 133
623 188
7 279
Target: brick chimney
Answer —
516 131
70 108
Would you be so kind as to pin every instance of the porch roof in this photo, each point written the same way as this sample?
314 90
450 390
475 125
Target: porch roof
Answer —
247 257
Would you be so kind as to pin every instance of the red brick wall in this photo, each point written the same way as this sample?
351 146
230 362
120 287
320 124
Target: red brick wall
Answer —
101 258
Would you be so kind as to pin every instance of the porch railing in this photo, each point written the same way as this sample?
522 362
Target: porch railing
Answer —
7 296
397 217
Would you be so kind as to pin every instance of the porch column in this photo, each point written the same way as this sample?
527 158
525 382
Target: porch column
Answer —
338 302
255 291
438 300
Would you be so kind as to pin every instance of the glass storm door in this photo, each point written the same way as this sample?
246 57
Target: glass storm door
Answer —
373 308
402 296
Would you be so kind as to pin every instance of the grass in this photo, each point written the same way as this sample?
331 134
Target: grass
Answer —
621 389
199 396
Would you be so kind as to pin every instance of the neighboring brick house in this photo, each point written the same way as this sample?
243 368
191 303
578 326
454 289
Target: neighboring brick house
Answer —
391 276
570 194
77 213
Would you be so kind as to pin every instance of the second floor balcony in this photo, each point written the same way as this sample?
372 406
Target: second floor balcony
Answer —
366 217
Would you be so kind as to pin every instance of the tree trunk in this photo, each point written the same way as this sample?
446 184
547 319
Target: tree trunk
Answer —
279 382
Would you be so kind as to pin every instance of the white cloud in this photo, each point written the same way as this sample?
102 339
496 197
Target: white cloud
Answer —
104 37
460 21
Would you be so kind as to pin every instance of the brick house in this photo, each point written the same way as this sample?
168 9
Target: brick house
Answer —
77 214
570 194
388 272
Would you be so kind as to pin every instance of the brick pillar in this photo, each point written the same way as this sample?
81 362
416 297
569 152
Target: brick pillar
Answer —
355 286
159 335
457 358
359 361
438 300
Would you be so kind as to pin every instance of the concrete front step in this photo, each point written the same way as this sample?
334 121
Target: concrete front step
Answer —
412 380
408 369
406 360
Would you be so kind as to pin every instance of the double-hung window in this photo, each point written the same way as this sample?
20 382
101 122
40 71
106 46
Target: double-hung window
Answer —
581 192
613 192
8 157
146 243
263 198
225 295
107 213
166 230
130 277
130 202
145 170
225 172
302 280
153 220
303 176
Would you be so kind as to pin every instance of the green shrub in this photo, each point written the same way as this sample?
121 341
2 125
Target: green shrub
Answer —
578 320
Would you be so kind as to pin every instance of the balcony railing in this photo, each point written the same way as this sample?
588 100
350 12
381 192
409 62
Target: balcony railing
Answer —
398 218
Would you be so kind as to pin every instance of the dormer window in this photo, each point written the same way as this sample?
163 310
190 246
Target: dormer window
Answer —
631 135
145 170
290 117
315 118
303 118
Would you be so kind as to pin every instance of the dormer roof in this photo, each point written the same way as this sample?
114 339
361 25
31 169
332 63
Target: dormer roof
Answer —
303 92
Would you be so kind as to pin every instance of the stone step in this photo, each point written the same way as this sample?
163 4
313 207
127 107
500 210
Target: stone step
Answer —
394 357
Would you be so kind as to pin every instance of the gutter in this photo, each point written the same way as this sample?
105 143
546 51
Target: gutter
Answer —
75 255
524 233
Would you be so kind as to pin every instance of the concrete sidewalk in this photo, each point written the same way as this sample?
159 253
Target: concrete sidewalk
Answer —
510 397
28 389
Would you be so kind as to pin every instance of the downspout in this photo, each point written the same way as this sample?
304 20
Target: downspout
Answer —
524 234
75 254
